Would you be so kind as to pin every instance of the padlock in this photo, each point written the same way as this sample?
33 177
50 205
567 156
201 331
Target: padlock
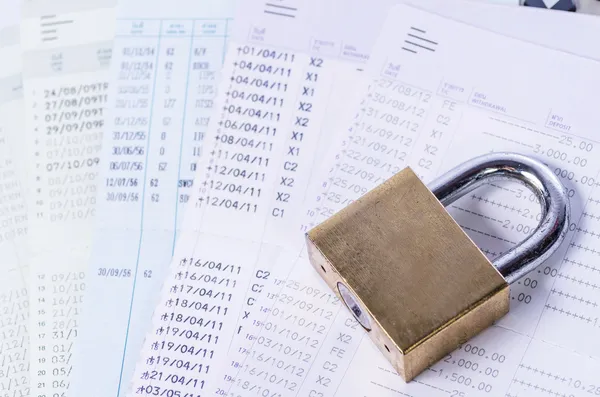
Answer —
412 277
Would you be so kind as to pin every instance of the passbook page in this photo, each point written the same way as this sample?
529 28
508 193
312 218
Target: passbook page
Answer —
441 93
202 305
66 53
164 76
14 342
271 125
290 343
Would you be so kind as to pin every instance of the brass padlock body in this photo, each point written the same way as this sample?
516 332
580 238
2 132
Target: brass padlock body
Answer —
425 286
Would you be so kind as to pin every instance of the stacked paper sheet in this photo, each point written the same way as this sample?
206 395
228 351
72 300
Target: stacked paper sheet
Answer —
160 164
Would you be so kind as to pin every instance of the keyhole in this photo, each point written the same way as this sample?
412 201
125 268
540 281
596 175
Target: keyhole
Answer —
353 304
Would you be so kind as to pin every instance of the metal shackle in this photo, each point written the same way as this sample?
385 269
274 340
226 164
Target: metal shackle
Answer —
536 176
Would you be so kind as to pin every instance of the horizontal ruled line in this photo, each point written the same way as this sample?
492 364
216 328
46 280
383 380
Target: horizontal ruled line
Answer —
419 45
280 6
418 30
57 23
422 38
279 13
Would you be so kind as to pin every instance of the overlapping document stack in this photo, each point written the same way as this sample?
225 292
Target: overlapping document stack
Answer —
160 164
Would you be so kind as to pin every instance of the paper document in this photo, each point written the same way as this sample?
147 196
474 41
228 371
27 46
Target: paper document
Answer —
66 52
306 343
220 274
271 127
449 92
14 303
164 76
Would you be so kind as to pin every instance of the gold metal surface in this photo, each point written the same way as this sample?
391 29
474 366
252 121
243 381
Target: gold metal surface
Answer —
426 286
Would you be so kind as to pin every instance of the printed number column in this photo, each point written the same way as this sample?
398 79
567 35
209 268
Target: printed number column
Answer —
66 97
206 57
117 236
159 201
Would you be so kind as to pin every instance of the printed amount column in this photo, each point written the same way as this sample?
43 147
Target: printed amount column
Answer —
167 72
193 323
159 193
115 249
